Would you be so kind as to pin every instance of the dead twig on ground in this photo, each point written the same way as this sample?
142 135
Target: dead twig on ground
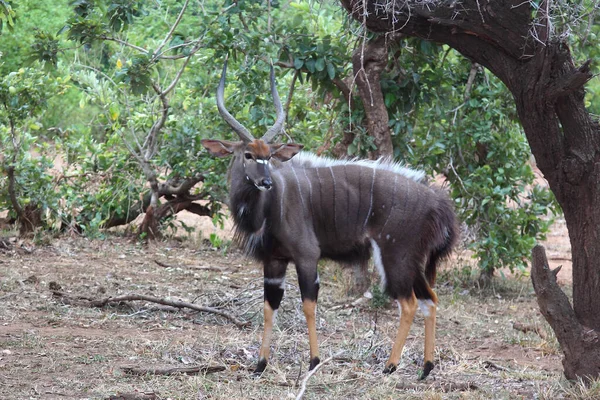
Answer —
444 387
91 302
311 373
135 396
525 328
489 364
201 267
199 369
354 303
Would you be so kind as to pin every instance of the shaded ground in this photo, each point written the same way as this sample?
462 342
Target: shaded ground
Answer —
51 350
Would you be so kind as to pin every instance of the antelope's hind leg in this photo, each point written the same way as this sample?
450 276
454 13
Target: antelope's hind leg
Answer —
428 307
408 307
274 288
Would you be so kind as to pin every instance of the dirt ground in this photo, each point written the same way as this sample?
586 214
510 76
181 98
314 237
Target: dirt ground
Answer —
62 348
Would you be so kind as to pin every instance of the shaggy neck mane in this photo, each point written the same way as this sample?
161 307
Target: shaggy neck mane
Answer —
251 219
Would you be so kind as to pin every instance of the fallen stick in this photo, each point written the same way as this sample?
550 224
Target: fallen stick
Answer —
490 364
354 303
530 328
311 373
199 268
444 387
135 396
142 297
199 369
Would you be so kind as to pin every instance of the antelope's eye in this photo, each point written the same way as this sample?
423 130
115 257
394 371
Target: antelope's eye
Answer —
248 156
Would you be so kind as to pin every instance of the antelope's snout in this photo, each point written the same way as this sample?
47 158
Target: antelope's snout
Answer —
263 184
266 183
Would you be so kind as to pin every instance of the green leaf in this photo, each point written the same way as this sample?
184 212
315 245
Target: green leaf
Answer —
297 20
320 64
298 63
330 71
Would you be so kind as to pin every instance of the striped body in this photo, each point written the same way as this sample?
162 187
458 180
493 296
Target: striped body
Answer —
343 211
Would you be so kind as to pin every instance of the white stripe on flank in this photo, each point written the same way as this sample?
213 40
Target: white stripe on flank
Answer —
319 178
299 189
334 203
281 192
378 263
424 306
392 207
309 187
371 201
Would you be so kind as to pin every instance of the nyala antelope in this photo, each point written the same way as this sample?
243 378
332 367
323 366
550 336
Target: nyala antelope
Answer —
293 206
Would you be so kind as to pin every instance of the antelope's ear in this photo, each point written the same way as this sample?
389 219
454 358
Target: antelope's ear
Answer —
219 148
284 152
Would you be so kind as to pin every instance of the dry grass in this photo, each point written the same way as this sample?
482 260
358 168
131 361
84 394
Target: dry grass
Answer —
49 350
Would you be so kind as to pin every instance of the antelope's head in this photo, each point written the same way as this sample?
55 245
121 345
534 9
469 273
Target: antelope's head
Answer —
254 154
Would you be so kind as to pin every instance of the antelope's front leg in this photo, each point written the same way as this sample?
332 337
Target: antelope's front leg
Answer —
274 287
308 278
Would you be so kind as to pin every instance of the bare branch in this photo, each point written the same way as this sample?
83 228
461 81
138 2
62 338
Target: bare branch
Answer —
183 187
179 73
151 139
470 80
288 102
173 27
124 43
543 27
199 369
91 302
311 373
444 387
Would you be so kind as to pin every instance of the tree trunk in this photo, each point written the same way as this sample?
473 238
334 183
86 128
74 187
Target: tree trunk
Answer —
368 61
539 71
28 217
580 344
149 226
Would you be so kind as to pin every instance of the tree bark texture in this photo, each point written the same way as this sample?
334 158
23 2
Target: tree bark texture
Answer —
580 344
368 61
548 90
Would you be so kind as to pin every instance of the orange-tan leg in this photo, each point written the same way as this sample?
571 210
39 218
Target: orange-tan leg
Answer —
274 289
265 348
310 308
408 307
429 310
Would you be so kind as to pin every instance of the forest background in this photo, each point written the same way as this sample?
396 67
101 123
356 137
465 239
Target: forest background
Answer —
122 97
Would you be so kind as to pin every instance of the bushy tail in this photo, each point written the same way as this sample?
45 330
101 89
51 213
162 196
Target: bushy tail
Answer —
440 236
